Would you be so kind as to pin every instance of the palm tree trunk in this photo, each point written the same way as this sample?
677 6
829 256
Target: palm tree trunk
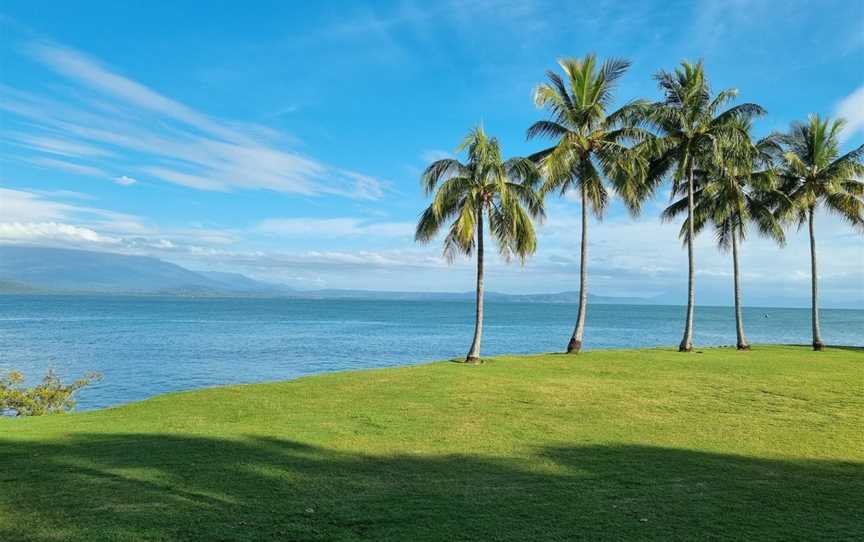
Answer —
687 341
474 352
575 343
739 321
814 278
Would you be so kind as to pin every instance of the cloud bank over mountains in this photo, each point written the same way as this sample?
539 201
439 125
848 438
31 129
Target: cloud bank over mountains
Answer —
628 258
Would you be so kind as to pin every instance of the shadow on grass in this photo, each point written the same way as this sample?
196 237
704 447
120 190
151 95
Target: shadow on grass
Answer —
168 487
859 349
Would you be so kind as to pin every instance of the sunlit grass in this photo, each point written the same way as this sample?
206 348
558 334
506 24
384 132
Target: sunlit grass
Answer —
638 445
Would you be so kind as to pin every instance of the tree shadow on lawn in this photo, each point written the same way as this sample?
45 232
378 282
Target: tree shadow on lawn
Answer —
168 487
847 347
859 349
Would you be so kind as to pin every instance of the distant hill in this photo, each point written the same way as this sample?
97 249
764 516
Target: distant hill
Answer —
241 283
12 287
573 297
559 297
43 270
24 269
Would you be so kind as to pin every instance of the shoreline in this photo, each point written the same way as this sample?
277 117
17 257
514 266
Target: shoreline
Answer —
384 298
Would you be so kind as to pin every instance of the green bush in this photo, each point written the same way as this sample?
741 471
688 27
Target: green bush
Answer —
48 397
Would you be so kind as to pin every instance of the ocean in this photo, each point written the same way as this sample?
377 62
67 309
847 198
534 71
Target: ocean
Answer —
145 346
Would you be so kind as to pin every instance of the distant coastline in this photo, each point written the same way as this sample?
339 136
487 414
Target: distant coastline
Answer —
559 298
29 270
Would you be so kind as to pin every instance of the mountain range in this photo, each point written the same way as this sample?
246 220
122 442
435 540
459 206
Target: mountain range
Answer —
24 268
31 270
28 269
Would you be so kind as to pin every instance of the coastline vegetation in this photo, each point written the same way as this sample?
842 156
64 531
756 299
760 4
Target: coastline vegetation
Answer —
720 174
50 396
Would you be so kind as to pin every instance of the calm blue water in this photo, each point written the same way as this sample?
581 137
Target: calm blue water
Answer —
144 345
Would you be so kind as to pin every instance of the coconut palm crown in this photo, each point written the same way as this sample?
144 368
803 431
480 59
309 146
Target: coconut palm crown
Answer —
485 189
815 175
692 129
590 148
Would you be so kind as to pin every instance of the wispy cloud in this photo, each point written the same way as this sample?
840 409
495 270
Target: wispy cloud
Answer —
57 146
19 205
88 72
334 228
69 167
49 206
851 108
163 138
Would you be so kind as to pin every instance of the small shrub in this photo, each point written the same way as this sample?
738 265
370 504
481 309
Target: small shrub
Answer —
48 397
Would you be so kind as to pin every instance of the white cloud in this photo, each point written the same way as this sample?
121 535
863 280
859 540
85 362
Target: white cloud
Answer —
42 218
48 232
18 205
124 180
164 138
572 195
851 108
333 228
32 207
164 243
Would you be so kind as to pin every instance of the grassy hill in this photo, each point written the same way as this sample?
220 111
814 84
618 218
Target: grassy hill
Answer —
614 445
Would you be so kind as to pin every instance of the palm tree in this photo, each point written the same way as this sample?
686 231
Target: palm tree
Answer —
739 190
486 187
691 131
815 174
590 146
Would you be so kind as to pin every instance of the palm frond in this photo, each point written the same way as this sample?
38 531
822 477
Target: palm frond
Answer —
847 207
545 128
739 112
438 170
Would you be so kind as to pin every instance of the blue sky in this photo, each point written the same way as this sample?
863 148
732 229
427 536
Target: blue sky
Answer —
285 140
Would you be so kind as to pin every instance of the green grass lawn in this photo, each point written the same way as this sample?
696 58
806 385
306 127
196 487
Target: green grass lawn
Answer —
609 445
